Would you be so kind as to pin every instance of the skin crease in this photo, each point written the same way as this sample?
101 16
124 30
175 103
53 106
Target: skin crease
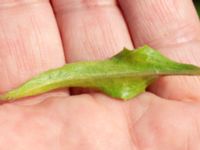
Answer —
166 117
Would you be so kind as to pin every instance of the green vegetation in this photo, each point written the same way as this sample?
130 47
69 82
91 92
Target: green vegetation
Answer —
123 76
197 5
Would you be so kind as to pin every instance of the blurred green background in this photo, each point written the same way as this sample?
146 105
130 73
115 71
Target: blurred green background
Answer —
197 5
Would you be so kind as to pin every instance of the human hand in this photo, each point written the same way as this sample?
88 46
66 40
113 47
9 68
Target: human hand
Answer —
166 117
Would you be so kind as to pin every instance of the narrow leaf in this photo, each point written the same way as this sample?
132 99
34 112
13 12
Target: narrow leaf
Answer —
123 76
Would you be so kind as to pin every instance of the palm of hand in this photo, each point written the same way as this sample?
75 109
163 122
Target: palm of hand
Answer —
95 121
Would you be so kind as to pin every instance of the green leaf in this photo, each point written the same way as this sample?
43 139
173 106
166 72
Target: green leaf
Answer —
123 76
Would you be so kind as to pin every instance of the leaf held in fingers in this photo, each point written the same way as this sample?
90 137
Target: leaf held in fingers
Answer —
123 76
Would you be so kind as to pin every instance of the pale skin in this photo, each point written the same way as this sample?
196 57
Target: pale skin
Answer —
37 35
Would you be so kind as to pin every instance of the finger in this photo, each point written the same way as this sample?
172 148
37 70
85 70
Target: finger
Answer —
29 41
91 29
172 27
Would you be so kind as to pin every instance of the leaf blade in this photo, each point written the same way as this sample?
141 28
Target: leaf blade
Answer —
123 76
